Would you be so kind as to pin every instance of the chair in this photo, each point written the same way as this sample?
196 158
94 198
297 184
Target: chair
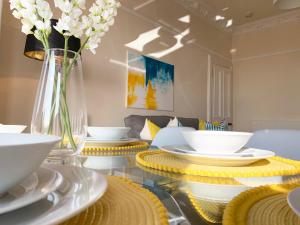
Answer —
285 143
170 136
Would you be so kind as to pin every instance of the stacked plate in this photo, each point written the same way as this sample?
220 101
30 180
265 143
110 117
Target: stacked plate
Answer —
36 193
108 137
218 148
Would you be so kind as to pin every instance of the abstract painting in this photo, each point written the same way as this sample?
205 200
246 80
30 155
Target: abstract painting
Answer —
150 83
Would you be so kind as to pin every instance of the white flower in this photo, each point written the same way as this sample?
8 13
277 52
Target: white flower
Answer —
16 14
26 26
80 3
43 9
28 4
101 17
40 25
63 23
33 13
64 5
72 22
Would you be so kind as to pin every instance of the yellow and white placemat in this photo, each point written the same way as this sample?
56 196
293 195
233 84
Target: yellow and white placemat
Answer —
275 166
92 148
266 205
123 203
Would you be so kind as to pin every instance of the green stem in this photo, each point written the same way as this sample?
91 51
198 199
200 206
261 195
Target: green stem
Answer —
45 41
66 119
76 55
53 102
64 107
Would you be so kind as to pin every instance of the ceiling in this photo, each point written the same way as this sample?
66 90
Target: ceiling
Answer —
244 11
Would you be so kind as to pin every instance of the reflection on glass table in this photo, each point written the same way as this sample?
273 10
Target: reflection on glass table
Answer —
189 199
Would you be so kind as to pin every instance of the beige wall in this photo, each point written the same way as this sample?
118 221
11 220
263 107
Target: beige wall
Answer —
105 73
267 77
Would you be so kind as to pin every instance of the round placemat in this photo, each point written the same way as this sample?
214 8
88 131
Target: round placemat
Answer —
123 203
139 145
265 205
275 166
110 153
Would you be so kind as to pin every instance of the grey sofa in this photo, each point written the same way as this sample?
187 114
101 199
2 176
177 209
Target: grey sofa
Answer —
137 122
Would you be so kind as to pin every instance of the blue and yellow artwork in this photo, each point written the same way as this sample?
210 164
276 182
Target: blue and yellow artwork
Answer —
150 83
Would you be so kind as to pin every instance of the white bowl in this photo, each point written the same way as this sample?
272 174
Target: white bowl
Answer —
216 141
12 128
21 155
108 133
215 192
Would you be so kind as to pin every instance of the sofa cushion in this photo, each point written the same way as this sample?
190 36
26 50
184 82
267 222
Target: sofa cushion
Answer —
149 131
137 122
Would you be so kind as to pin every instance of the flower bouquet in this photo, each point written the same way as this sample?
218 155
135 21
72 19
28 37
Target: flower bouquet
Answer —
60 106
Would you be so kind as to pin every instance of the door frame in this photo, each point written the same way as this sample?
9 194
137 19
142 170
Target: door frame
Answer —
210 65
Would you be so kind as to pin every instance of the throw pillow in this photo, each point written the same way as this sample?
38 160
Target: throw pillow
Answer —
215 125
174 123
149 131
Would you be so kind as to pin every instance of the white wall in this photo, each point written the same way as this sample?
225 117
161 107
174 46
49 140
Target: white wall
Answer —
105 73
267 75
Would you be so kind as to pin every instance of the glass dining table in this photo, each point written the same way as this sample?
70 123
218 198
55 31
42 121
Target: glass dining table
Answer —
189 199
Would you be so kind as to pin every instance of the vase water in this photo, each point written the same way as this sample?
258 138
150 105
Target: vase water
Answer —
60 102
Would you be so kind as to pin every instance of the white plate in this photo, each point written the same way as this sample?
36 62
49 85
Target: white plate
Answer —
48 181
106 143
12 128
293 199
81 188
249 156
242 153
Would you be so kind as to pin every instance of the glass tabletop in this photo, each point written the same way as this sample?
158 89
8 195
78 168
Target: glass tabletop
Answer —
188 199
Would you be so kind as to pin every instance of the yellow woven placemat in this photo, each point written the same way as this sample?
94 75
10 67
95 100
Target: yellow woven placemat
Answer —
209 210
139 145
123 203
266 205
275 166
111 153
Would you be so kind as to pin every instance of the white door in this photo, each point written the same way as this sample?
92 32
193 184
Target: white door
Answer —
219 92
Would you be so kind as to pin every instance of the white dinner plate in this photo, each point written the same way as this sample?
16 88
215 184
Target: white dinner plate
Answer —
244 152
293 199
247 157
47 181
80 188
95 142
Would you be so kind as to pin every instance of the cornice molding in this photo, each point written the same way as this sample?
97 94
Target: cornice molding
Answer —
267 23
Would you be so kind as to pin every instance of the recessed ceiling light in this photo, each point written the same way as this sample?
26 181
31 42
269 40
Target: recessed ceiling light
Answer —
225 9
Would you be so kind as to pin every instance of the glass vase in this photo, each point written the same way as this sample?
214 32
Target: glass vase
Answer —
60 102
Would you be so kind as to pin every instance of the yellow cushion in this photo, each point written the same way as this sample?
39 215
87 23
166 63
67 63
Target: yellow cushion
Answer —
202 124
149 130
153 128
